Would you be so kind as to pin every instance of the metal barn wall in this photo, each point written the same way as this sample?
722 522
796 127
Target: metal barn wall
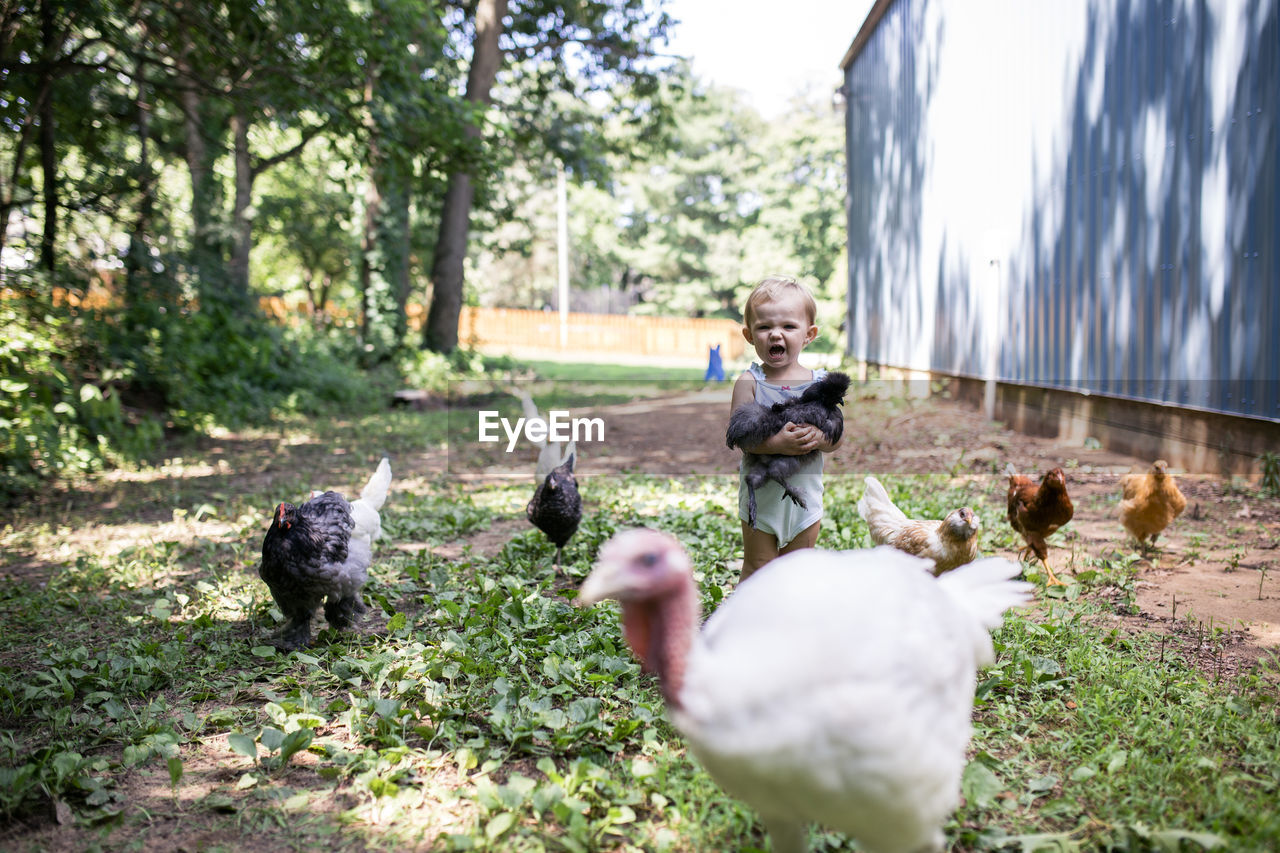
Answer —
1075 195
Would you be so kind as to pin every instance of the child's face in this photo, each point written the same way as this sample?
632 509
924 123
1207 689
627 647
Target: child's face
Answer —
780 329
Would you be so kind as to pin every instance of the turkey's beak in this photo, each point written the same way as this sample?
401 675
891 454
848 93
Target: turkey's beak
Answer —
602 583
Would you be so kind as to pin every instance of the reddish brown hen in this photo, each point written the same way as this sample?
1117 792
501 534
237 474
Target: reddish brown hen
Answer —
1037 510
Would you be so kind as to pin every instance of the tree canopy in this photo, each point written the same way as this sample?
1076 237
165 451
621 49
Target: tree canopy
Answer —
215 210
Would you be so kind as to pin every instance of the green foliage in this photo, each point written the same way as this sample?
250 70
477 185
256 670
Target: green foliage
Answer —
1271 474
83 390
686 220
477 708
54 420
217 366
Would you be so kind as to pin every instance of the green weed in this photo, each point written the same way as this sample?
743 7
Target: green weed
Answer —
478 709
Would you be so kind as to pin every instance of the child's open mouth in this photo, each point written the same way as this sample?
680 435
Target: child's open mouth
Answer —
777 350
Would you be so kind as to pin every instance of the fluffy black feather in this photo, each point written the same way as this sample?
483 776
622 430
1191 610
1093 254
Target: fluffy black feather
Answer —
752 423
556 507
308 556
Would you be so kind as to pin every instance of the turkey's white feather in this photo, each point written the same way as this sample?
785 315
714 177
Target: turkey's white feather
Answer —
837 687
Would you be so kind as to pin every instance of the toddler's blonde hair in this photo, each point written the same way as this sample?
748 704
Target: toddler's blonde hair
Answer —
771 288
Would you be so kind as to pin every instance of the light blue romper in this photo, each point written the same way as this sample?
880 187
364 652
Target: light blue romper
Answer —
775 512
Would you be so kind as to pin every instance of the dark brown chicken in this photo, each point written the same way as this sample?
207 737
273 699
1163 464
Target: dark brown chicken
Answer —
1037 510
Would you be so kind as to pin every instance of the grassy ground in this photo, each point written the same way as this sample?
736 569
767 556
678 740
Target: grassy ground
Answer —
476 708
561 371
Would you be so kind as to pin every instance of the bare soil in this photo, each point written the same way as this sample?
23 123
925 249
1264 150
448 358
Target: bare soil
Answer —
1212 588
1217 567
1213 580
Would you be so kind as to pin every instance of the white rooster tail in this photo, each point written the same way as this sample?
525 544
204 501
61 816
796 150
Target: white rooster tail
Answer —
875 502
529 410
364 510
374 492
551 454
985 589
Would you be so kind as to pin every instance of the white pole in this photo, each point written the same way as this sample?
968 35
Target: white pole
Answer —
994 245
562 215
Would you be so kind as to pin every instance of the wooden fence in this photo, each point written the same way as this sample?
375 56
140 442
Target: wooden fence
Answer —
521 331
533 333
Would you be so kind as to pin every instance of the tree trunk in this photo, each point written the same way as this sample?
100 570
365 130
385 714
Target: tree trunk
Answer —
441 330
49 171
199 125
372 208
400 252
137 261
238 285
48 153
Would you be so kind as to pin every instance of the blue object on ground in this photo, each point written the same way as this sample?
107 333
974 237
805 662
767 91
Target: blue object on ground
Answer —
715 367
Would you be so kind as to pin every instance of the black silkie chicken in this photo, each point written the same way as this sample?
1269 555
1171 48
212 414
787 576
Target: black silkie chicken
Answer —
556 507
321 552
752 423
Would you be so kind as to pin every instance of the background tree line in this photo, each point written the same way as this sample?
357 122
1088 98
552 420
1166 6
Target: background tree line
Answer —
358 157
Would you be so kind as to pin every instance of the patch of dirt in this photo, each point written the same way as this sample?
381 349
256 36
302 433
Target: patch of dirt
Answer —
1217 566
486 543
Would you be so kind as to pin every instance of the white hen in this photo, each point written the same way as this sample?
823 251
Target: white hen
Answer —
951 542
831 687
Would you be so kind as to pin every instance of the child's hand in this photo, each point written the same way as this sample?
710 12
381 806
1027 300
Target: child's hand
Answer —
798 439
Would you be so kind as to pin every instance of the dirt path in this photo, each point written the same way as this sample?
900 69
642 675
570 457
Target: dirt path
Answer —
1215 581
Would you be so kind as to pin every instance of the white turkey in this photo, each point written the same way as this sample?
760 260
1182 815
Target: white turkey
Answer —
831 687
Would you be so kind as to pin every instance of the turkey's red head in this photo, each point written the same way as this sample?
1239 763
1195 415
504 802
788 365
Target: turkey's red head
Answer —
651 575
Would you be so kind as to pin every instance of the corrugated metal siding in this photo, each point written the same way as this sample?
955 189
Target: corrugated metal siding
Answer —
1079 195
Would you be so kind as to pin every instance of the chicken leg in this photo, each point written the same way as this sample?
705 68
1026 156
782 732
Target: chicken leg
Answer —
1053 579
1031 552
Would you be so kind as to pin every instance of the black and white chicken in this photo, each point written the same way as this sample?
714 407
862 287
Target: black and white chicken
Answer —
830 687
752 423
321 552
556 507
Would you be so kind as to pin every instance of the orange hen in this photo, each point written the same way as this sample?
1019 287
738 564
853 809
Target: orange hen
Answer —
1149 502
1037 510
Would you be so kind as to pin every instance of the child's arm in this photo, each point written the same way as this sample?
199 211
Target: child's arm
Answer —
791 440
744 391
809 437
